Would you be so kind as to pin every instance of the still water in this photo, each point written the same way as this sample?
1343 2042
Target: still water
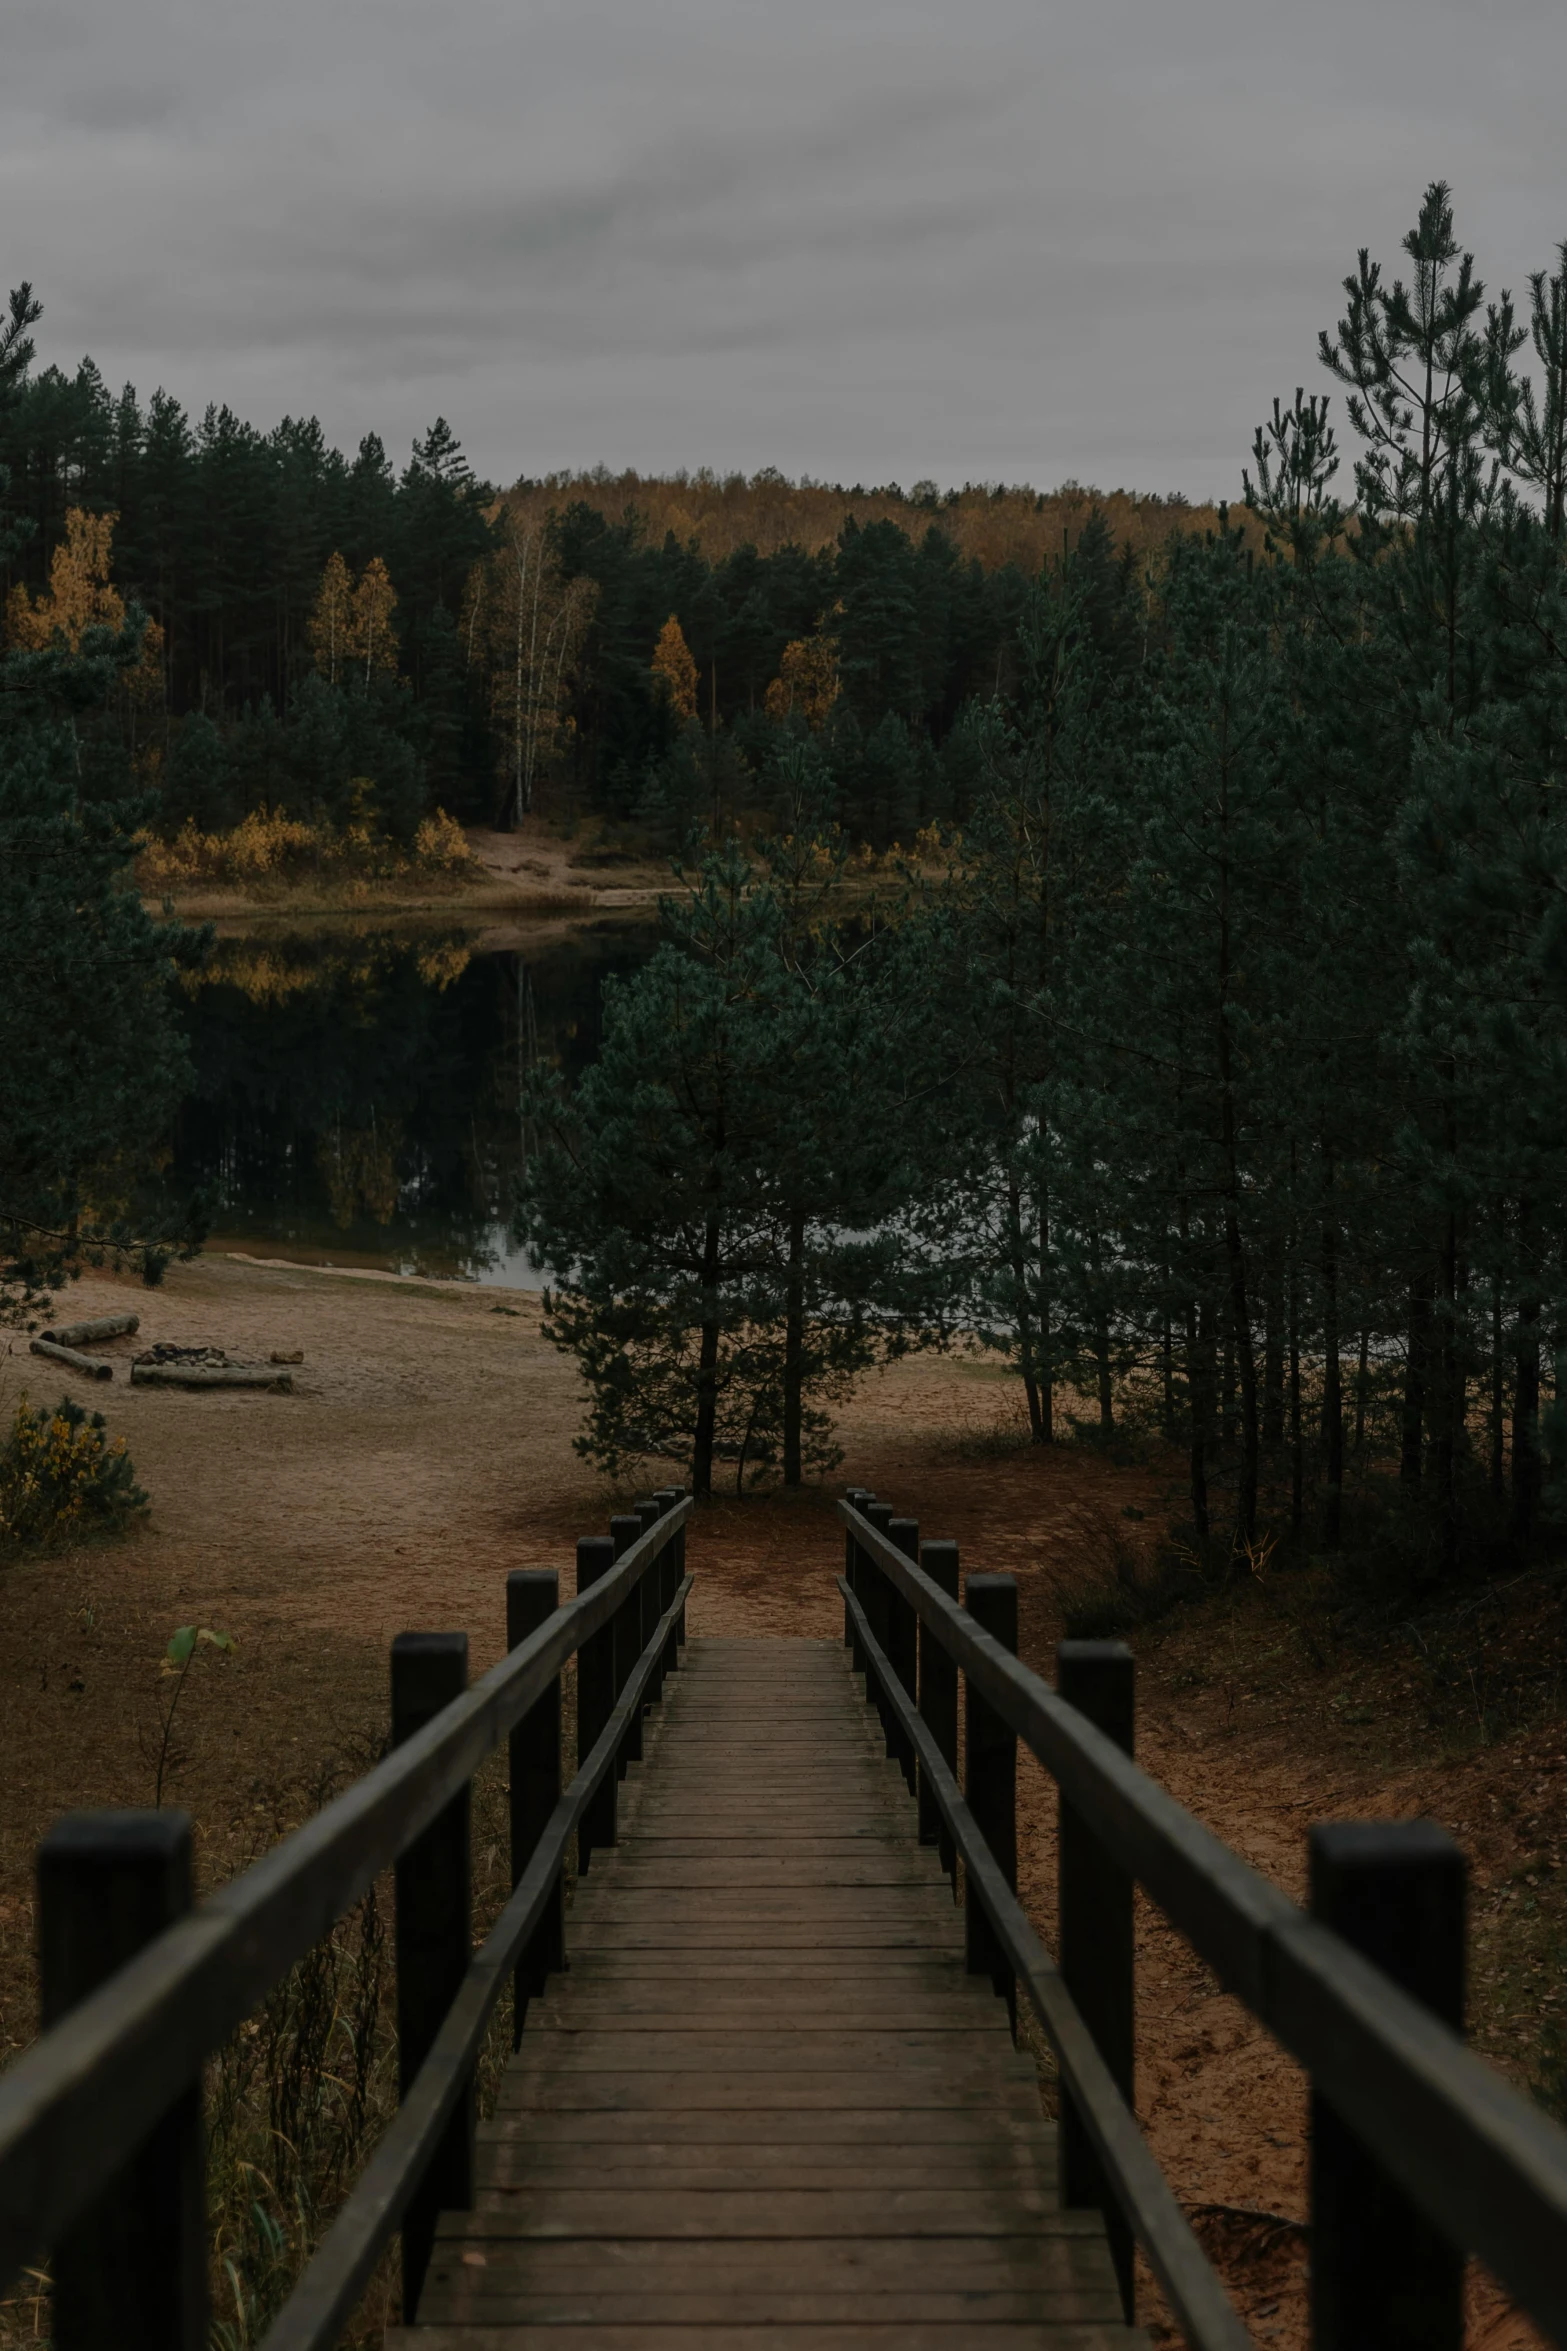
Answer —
356 1096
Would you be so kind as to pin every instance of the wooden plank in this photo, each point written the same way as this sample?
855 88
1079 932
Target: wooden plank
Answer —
893 2209
1075 2246
765 2103
821 2130
507 2169
789 2090
724 2335
810 2007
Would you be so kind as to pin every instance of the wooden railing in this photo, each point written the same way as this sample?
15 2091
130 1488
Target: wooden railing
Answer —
101 2165
1420 2153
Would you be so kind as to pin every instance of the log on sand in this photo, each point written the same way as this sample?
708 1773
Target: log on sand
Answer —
93 1367
107 1326
212 1375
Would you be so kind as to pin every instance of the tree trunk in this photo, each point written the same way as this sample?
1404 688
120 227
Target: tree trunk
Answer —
1450 1399
794 1352
707 1369
1101 1341
1027 1364
1415 1364
1273 1345
1498 1398
1227 1391
1047 1385
1361 1373
1198 1384
1246 1364
1167 1370
1240 1304
1297 1446
1332 1391
1526 1422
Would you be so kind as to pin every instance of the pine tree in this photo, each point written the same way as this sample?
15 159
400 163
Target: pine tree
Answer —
690 1195
91 1064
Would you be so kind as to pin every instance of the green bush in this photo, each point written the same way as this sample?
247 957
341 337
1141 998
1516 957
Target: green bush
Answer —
62 1474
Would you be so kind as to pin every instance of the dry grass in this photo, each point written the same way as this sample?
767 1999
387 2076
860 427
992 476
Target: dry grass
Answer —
268 852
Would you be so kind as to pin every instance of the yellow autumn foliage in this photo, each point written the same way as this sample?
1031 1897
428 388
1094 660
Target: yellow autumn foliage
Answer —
268 847
807 681
81 596
674 669
350 627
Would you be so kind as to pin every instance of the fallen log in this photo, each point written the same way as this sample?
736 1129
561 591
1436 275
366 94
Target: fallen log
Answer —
107 1326
212 1375
92 1367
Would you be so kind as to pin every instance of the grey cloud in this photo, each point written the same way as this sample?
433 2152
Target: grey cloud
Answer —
1025 241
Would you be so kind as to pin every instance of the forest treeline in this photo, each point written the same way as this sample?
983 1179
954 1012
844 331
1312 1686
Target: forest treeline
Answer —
510 660
1221 1078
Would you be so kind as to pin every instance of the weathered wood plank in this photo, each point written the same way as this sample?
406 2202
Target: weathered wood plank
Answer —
765 2105
726 2335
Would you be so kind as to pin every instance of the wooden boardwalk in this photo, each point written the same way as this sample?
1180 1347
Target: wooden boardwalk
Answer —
767 2105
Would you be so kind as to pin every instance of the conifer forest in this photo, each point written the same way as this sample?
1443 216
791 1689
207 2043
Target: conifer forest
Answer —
1131 936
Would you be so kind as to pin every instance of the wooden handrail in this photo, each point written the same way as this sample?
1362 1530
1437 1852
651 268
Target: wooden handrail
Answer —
345 2260
77 2104
1161 2228
1488 2168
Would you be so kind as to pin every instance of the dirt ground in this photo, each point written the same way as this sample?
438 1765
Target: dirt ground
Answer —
427 1450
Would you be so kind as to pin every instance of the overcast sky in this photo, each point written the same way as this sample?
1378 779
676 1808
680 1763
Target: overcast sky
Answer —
976 240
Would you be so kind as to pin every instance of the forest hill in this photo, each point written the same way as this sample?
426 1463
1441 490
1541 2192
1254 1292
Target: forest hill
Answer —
519 632
1222 1078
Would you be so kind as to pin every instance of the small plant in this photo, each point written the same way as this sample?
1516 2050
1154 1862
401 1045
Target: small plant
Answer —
183 1645
61 1473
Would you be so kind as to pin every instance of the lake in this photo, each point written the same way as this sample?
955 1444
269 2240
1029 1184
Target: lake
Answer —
356 1093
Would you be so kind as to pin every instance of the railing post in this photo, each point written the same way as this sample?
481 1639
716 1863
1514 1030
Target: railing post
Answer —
669 1579
131 2273
649 1602
990 1783
532 1595
903 1642
1381 2274
595 1704
857 1498
680 1562
939 1700
1099 1679
873 1599
434 1937
623 1532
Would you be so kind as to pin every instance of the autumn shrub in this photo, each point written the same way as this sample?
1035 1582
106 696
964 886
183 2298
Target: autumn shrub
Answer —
62 1474
270 848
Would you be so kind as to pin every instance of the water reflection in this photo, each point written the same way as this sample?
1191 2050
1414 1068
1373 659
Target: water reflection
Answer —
356 1094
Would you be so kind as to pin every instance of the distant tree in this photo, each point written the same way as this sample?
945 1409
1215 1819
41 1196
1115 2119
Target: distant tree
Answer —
675 670
524 621
695 1197
81 596
330 626
370 640
807 681
198 784
91 1063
